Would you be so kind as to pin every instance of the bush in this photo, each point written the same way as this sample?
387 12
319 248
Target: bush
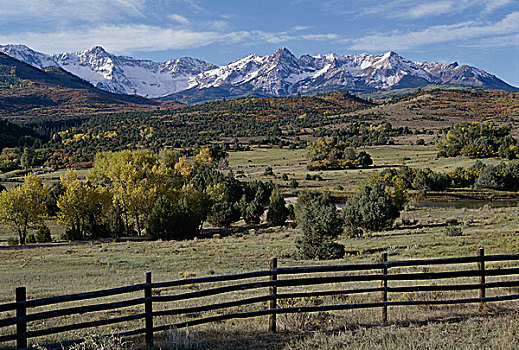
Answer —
51 202
312 248
320 222
371 209
490 178
294 183
179 221
477 140
508 148
223 214
364 159
252 211
429 180
278 213
72 234
42 235
453 231
12 240
115 221
160 220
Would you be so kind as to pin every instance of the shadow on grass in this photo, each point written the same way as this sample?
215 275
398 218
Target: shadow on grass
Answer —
222 339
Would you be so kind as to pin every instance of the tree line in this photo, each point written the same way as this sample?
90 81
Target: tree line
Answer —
135 193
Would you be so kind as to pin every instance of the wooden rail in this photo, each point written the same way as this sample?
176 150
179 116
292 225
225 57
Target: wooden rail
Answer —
19 322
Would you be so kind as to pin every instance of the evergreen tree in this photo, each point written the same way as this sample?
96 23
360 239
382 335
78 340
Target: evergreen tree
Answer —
372 208
320 222
278 212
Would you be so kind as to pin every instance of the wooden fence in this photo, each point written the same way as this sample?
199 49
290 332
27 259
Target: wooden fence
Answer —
150 296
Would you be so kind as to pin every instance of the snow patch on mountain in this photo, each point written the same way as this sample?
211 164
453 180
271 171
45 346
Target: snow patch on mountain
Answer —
278 74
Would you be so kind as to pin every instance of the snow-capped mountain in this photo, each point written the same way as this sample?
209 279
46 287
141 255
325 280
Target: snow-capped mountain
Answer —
281 73
117 74
29 56
278 74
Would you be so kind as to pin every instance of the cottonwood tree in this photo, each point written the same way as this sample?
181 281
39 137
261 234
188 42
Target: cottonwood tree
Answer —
82 205
24 205
128 173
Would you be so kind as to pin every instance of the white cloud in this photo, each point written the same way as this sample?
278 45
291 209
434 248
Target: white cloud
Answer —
273 38
321 37
68 10
493 5
497 41
218 25
125 39
437 34
299 28
430 9
178 18
415 9
117 39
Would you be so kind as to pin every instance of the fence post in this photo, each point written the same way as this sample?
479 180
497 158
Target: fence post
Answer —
481 267
273 291
21 311
384 286
148 310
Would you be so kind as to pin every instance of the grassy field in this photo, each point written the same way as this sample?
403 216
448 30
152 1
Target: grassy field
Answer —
252 165
71 267
68 268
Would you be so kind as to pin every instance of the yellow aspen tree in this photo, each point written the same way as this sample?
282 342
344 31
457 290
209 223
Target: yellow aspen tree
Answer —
24 205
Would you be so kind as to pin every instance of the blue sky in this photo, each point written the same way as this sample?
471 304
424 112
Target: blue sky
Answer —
482 33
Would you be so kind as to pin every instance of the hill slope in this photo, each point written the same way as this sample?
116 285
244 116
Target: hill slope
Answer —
29 91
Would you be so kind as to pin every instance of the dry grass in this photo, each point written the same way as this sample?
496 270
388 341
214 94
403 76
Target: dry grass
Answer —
63 268
69 268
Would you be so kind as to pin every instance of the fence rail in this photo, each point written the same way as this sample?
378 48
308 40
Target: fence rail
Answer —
379 272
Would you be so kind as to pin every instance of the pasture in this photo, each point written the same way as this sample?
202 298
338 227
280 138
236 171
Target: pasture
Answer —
71 267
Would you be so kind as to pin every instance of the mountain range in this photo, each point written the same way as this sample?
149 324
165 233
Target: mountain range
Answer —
279 74
29 91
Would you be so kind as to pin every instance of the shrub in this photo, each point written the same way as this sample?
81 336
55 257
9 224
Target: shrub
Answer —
252 211
453 231
294 183
331 154
223 214
429 180
372 208
320 222
12 240
173 221
51 202
278 213
508 148
42 235
364 159
490 178
477 140
115 221
160 220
